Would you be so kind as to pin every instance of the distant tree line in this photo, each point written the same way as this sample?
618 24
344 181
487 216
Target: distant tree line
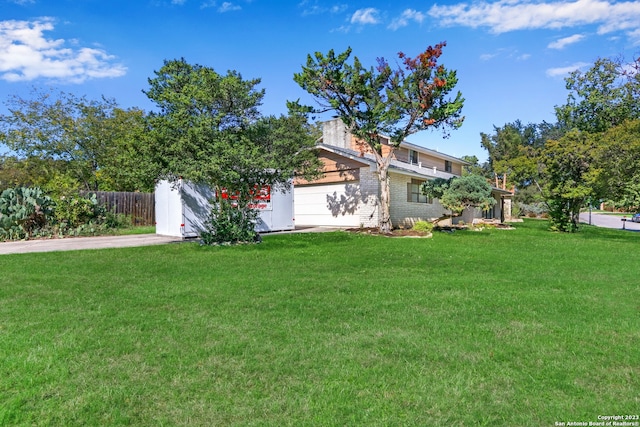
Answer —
590 154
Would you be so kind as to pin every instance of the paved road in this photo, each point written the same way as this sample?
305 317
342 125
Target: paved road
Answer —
609 221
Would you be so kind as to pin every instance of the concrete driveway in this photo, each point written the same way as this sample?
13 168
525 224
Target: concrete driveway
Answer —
102 242
80 243
609 221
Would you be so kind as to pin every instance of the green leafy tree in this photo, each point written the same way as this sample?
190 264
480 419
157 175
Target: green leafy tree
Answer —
126 164
570 178
602 97
208 129
617 157
460 193
514 151
81 134
474 167
382 100
29 171
470 191
435 188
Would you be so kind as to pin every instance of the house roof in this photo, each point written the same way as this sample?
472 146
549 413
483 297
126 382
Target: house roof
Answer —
431 152
403 144
395 165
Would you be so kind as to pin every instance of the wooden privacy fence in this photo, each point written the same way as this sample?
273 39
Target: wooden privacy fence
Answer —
141 207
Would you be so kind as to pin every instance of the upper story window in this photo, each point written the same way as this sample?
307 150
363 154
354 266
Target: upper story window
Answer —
447 166
413 157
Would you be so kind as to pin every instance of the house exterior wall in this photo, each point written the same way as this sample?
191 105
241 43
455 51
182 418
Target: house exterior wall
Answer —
364 188
427 161
369 191
335 169
405 213
335 133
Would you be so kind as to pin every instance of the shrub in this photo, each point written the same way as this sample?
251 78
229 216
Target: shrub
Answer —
28 212
423 227
116 220
516 210
72 211
230 223
24 212
532 210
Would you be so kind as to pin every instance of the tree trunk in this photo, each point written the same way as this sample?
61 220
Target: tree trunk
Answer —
385 215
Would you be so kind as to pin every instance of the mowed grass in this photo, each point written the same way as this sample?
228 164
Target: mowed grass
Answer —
515 328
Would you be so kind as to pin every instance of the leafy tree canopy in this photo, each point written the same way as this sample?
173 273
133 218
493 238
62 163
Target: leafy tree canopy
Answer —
617 162
569 177
469 191
208 129
602 97
460 193
83 135
382 100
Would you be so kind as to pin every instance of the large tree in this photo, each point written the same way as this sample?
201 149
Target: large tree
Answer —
82 134
617 156
514 151
208 129
602 97
384 100
570 178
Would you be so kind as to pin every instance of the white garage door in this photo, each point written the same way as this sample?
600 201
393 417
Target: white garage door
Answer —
331 204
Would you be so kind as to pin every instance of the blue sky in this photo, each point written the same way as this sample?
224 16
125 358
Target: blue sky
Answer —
511 55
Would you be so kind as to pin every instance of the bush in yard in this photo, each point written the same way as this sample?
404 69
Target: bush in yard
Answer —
230 222
116 220
73 210
532 210
423 227
24 212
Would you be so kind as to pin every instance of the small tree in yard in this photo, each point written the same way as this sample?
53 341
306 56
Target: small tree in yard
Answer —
460 193
396 102
469 191
208 130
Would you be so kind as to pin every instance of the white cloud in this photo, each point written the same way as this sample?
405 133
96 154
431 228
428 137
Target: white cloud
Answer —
563 71
26 54
565 41
314 8
339 8
228 7
407 15
510 15
635 36
365 16
488 56
178 2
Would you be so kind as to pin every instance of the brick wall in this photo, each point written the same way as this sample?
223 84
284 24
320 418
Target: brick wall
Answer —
369 190
405 214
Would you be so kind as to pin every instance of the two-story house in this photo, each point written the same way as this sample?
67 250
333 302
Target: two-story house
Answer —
347 195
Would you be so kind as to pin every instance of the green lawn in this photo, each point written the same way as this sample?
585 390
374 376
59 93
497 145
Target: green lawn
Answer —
515 328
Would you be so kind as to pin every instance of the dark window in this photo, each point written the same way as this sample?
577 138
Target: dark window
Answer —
414 194
447 166
413 157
